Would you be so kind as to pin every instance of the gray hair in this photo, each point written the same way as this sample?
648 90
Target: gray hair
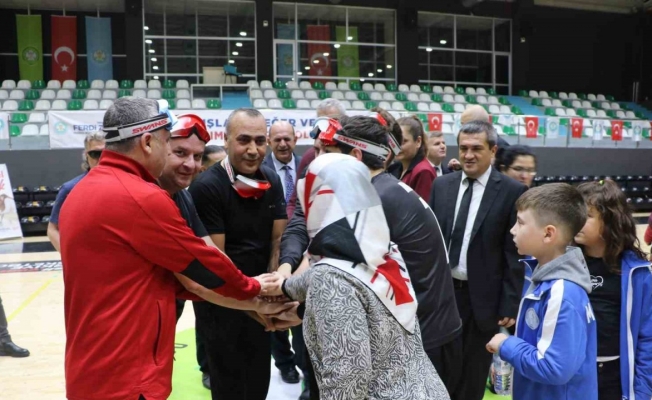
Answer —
477 127
329 104
279 122
128 110
91 137
250 112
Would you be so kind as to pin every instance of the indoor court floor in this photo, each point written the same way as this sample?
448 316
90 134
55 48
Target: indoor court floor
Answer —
31 287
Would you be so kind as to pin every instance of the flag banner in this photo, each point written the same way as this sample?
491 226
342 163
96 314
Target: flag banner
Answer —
457 123
552 128
285 52
99 53
30 47
319 53
348 62
616 130
64 48
434 122
637 130
4 126
9 221
598 129
505 120
577 126
531 127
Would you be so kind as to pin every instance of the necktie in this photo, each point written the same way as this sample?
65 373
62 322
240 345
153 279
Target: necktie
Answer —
457 236
289 182
439 171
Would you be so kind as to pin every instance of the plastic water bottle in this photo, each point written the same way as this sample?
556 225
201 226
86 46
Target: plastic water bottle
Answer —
502 376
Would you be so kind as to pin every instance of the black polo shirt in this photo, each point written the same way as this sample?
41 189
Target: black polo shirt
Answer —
247 223
184 202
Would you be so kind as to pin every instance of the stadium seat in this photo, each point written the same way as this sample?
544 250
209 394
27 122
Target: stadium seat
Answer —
470 90
556 103
181 84
505 109
279 84
385 105
426 88
389 96
368 87
545 102
59 105
346 104
550 111
370 104
124 93
422 107
560 112
214 104
283 94
448 108
38 84
435 107
126 84
601 114
270 94
75 105
29 130
330 86
425 97
18 118
376 96
198 104
140 84
400 97
398 106
459 98
105 104
413 97
337 95
358 105
24 84
493 100
26 105
4 95
303 104
572 96
391 87
94 94
591 97
576 104
605 105
448 98
48 94
253 84
183 104
311 95
533 93
415 89
69 84
155 84
343 86
621 114
600 97
32 95
97 84
172 104
355 86
318 85
480 91
44 130
14 130
36 118
459 90
52 84
183 94
364 96
297 94
305 85
409 106
543 94
481 99
403 88
274 104
112 84
82 84
459 108
260 103
314 104
563 95
253 94
379 87
78 94
630 114
91 105
266 85
615 106
16 95
523 93
350 95
42 105
290 85
63 94
170 94
153 94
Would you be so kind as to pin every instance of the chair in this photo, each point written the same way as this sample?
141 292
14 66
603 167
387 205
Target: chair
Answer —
94 94
36 118
413 97
198 104
493 100
48 94
556 103
425 97
38 84
289 104
44 130
543 94
32 95
16 95
24 84
78 94
448 98
253 94
449 90
422 107
415 88
437 89
69 84
266 85
337 95
343 86
30 130
403 88
18 118
605 105
389 96
64 94
368 87
570 112
533 93
480 91
385 105
98 84
346 104
572 96
105 104
358 105
459 108
140 84
183 104
42 105
615 106
459 98
75 105
183 94
214 104
59 105
601 114
391 87
370 104
435 107
291 85
127 84
330 86
274 104
154 84
270 94
311 95
91 105
168 94
591 97
305 85
304 104
355 86
351 96
153 94
26 105
376 96
4 95
318 85
297 94
314 104
398 106
546 102
260 103
481 100
113 84
591 114
505 110
630 114
411 107
470 90
560 112
601 97
576 104
231 72
446 128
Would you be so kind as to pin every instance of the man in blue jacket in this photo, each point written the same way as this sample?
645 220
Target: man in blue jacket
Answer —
555 348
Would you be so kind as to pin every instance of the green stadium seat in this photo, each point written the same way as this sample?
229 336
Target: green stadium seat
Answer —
551 111
363 96
355 86
289 104
504 101
612 114
74 105
516 110
624 106
39 84
83 84
522 93
542 130
279 84
509 131
370 104
639 115
553 95
283 94
409 106
124 93
79 94
437 97
426 88
627 124
448 108
610 98
581 113
460 90
26 105
471 99
126 84
581 96
169 84
391 87
486 107
564 121
172 104
567 103
318 85
491 91
596 104
494 119
537 102
14 130
424 119
18 118
32 95
400 97
324 95
214 104
168 94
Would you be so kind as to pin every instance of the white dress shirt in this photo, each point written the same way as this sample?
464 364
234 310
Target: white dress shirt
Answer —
459 271
437 168
281 172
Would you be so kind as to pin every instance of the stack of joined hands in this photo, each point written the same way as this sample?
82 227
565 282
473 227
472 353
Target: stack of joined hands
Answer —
273 309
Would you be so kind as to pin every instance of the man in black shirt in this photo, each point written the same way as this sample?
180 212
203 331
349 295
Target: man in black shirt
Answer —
242 206
414 228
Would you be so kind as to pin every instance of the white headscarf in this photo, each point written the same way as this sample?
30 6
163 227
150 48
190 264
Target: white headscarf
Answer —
348 230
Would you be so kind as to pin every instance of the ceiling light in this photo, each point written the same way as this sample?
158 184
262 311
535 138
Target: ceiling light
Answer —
379 70
156 77
153 59
349 38
243 33
326 54
152 51
235 53
148 41
299 73
238 44
306 68
370 74
362 80
443 41
428 49
389 67
155 67
315 61
336 45
231 62
146 27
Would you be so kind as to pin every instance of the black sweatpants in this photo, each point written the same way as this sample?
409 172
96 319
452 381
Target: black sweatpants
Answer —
609 380
238 350
447 360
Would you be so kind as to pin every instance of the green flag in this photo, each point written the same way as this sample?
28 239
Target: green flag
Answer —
348 63
30 47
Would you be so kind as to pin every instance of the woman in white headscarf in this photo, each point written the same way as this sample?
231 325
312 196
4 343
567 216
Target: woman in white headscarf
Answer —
360 317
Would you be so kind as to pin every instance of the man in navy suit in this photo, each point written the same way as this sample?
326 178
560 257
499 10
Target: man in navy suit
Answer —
437 152
282 141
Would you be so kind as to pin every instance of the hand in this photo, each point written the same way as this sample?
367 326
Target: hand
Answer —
494 344
272 309
454 165
287 319
267 282
507 322
274 284
285 270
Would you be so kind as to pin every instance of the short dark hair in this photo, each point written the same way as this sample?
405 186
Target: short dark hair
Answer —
251 112
558 204
477 127
366 128
415 129
507 157
435 134
211 149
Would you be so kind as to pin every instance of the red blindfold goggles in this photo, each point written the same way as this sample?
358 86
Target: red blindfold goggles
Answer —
330 133
245 187
190 124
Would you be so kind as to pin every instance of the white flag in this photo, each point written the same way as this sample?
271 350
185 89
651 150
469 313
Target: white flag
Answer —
598 129
552 127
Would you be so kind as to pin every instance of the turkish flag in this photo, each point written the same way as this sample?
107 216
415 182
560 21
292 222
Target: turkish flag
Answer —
64 48
320 58
617 130
434 122
531 127
577 127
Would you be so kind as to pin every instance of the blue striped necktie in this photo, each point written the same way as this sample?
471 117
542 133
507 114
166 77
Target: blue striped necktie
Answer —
289 183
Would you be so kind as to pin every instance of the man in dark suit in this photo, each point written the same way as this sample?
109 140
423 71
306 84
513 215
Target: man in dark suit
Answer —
436 152
282 141
475 208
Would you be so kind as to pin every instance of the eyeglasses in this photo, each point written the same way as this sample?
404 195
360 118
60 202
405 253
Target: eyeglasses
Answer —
94 154
521 170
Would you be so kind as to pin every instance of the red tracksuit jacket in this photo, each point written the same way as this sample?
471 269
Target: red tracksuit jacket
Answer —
121 239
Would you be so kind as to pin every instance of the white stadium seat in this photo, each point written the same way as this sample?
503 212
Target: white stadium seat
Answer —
4 95
24 84
270 94
139 93
591 114
470 90
481 100
8 84
53 84
275 104
449 98
505 109
198 104
260 103
10 105
59 105
556 103
630 114
449 89
91 105
425 97
17 94
48 94
337 95
303 104
600 97
139 84
460 99
305 85
459 108
105 104
346 104
380 87
546 102
183 104
533 94
110 94
343 86
358 105
42 105
36 118
69 84
437 89
330 86
571 112
367 87
98 84
493 109
560 112
605 105
112 84
375 96
297 94
493 100
572 96
591 97
94 94
153 94
563 95
351 96
398 106
403 88
266 85
601 114
621 114
422 107
415 89
291 85
413 97
29 130
435 107
183 94
182 84
64 94
480 91
615 106
314 104
576 104
543 94
154 84
586 104
385 105
388 96
311 95
253 84
256 94
44 130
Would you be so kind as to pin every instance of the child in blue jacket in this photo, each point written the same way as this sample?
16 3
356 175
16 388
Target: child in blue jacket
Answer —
621 295
554 349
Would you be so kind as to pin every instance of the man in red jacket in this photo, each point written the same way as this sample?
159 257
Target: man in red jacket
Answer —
122 238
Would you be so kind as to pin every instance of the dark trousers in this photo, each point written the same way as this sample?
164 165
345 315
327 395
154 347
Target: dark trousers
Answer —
4 333
609 380
476 360
201 351
311 380
447 360
238 350
284 358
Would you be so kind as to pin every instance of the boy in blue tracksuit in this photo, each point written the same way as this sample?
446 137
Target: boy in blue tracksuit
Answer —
554 351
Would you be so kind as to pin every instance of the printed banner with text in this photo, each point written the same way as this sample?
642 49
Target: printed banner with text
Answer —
9 222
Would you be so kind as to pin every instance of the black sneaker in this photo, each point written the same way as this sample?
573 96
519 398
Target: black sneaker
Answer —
206 380
290 376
